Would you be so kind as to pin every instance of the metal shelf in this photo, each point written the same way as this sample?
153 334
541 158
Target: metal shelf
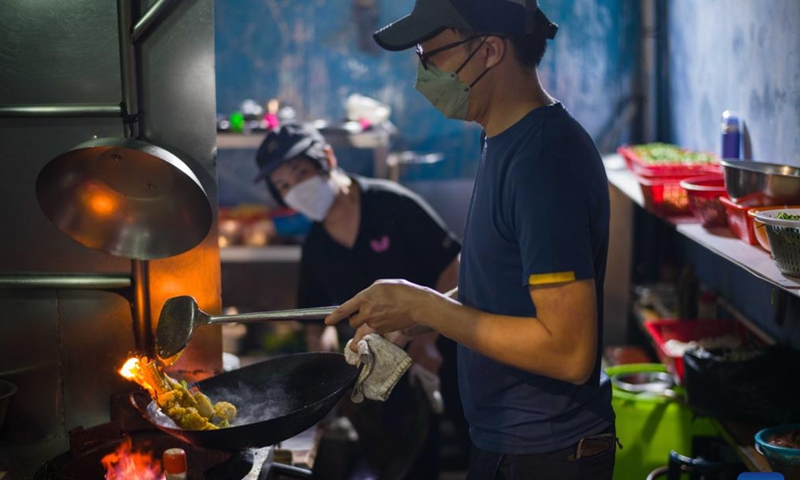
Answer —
269 254
717 240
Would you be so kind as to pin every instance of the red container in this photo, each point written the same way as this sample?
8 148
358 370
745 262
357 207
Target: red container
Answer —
665 196
644 168
740 223
703 194
661 331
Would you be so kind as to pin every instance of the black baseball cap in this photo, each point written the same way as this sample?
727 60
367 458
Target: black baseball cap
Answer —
430 17
287 142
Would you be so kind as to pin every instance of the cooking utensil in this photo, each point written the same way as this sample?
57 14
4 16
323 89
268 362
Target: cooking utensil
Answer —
761 184
180 316
276 400
125 197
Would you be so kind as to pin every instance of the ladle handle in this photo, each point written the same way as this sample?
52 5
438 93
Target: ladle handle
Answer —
299 315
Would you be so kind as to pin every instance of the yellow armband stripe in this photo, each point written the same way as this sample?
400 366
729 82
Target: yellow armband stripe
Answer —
556 277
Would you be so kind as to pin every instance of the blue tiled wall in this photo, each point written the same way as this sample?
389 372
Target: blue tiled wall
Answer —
742 55
309 54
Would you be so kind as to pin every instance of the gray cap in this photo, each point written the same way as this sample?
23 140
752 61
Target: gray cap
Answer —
430 17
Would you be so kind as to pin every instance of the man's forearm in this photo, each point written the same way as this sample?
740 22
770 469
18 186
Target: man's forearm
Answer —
521 342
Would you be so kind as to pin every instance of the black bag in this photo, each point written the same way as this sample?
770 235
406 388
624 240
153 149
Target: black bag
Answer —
763 388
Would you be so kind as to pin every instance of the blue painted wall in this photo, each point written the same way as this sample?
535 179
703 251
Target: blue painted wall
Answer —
742 55
308 54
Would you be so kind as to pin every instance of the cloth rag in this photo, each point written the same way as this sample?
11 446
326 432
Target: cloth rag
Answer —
384 363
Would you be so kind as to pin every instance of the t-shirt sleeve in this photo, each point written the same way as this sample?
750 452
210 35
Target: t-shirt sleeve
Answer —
427 234
550 215
310 291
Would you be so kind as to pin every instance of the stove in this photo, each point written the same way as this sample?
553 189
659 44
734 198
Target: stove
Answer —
88 447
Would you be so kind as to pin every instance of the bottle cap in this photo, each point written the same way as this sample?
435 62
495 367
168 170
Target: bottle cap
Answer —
174 461
730 121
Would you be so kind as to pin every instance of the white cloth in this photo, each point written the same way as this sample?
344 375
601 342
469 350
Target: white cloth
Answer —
384 364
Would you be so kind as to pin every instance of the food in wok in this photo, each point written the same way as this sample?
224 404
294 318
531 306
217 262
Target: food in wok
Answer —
187 406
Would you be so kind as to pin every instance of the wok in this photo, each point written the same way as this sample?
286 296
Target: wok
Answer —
276 400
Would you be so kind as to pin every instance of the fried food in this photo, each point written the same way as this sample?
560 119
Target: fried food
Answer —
189 408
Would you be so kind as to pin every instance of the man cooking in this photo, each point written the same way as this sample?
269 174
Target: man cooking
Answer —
527 314
363 230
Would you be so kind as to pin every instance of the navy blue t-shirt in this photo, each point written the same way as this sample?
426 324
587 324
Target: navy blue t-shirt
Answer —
539 214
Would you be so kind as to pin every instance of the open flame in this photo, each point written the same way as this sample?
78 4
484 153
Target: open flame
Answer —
125 463
145 372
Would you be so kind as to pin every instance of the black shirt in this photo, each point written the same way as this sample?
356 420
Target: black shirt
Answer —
399 236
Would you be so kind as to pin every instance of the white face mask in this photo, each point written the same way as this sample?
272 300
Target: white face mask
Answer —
313 197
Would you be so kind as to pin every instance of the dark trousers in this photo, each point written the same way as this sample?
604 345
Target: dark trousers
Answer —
560 464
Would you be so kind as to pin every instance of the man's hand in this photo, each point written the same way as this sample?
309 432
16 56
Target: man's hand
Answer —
386 306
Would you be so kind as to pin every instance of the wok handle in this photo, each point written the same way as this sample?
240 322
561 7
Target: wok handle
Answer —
291 472
316 314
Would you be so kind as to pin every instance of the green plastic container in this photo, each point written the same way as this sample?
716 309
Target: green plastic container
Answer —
650 425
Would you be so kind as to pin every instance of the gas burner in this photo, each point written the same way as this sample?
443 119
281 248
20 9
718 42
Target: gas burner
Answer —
88 447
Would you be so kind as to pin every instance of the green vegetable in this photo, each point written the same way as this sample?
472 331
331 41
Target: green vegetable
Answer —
665 153
787 216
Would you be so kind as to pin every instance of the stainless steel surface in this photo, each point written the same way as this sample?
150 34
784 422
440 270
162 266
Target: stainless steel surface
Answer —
62 347
637 382
128 68
759 183
142 320
76 281
150 18
125 197
181 316
12 111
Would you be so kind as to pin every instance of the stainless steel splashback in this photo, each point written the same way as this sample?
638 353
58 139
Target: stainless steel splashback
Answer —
62 347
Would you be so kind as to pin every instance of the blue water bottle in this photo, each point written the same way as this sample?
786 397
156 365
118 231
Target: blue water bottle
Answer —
731 135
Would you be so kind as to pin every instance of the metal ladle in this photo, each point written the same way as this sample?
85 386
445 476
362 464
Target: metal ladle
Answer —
180 316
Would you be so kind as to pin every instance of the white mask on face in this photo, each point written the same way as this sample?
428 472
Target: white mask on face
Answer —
313 197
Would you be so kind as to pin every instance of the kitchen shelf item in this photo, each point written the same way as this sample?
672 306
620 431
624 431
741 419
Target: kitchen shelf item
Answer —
633 155
664 195
761 184
703 195
759 231
663 330
784 239
649 424
782 459
739 222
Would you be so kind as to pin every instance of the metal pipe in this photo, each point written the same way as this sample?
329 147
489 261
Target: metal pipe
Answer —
82 282
151 17
12 111
142 321
128 73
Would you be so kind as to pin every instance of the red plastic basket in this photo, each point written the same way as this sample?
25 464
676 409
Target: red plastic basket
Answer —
643 168
665 196
740 223
663 330
703 194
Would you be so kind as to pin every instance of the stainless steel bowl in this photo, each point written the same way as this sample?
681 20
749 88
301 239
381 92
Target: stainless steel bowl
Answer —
761 184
